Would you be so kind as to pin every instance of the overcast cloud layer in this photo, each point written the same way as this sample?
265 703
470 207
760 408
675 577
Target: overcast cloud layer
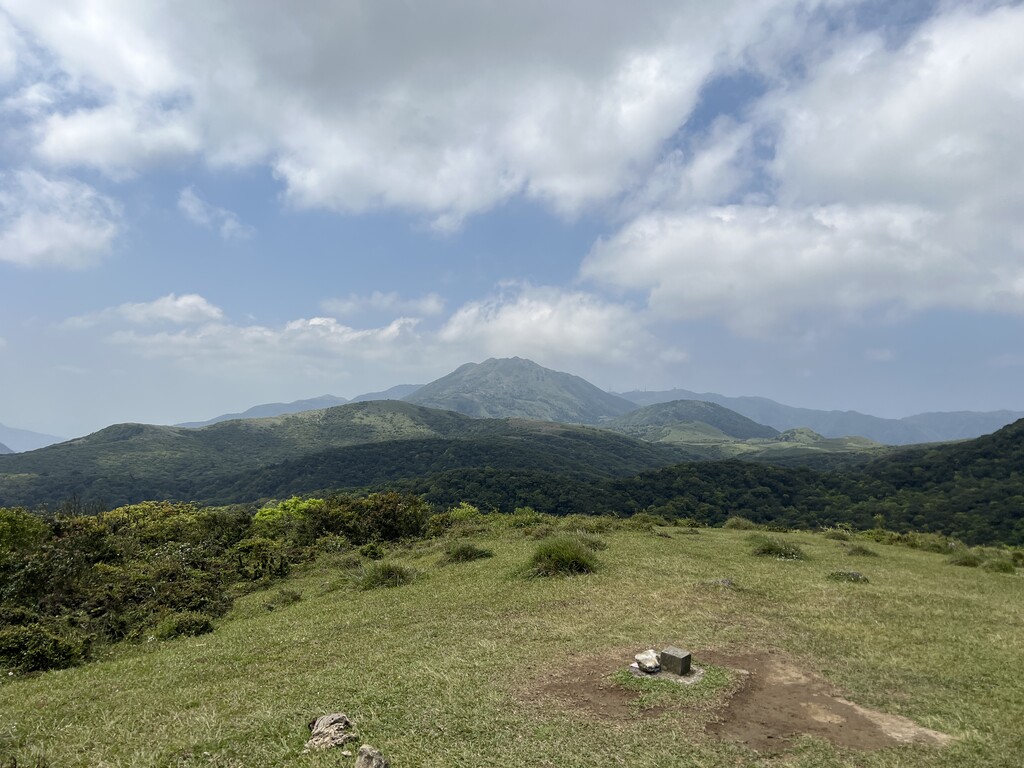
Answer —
771 197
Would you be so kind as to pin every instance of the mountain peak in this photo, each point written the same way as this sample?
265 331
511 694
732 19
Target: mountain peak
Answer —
514 387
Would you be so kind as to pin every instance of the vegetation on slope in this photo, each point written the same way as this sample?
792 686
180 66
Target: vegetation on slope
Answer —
477 664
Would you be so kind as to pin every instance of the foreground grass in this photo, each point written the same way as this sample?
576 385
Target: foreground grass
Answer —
445 671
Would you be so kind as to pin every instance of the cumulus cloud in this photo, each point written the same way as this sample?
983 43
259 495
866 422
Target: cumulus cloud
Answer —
200 212
445 110
52 221
897 177
549 325
189 309
378 301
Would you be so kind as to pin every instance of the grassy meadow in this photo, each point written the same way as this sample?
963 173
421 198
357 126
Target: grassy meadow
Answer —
467 664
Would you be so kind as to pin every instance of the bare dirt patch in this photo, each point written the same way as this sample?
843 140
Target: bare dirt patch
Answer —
774 702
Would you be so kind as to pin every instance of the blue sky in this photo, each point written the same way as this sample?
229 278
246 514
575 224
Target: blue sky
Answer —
213 205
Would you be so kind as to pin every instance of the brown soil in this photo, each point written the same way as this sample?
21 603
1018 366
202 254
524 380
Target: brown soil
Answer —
776 701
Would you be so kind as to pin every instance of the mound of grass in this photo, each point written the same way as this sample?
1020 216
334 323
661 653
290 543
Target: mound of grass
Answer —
851 576
1000 565
377 575
836 534
283 599
772 546
737 523
372 550
563 556
859 550
464 552
183 624
966 558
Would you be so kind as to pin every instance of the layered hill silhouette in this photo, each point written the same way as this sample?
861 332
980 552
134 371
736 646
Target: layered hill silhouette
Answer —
518 388
920 428
4 449
695 419
25 440
346 446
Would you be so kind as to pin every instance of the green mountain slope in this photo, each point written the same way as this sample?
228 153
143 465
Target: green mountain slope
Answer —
517 388
922 428
346 446
684 415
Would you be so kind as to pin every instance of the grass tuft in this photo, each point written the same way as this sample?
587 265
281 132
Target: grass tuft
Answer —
563 556
183 624
377 575
737 523
772 546
464 552
859 550
966 558
1000 565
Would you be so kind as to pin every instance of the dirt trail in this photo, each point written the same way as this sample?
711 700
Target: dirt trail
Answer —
776 701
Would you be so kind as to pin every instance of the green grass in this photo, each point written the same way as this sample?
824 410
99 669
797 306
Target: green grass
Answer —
446 670
776 547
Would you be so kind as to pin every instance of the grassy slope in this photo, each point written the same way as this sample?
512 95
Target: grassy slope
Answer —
436 673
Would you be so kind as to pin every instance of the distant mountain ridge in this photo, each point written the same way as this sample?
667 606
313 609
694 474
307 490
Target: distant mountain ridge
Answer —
18 440
4 449
269 410
518 388
676 413
351 445
920 428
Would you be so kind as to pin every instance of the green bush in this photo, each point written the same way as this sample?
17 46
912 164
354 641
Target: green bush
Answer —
1017 558
562 556
372 551
464 552
183 624
772 546
1000 565
859 550
35 647
852 576
590 523
645 521
967 558
737 523
378 575
836 534
525 517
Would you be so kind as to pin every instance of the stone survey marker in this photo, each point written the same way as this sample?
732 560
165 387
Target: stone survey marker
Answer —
675 660
671 664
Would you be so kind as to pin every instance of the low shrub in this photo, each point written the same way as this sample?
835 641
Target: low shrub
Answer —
1000 565
836 534
593 543
852 576
35 647
183 624
372 551
687 522
525 517
378 575
859 550
966 558
464 552
772 546
645 521
590 523
539 531
737 523
563 556
1017 558
926 542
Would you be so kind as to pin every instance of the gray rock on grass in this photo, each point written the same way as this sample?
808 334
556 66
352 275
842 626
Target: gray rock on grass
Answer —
370 757
648 661
327 731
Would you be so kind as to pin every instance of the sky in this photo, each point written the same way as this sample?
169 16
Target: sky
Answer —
209 205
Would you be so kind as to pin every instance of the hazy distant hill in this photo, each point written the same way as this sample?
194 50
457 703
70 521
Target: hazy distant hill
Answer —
398 392
298 406
23 440
268 410
346 446
922 428
689 415
4 449
517 388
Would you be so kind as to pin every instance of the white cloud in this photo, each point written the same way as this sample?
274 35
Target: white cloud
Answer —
189 309
198 211
897 178
444 109
54 221
425 306
549 325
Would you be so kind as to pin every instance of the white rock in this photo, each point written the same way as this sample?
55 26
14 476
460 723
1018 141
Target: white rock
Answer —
648 661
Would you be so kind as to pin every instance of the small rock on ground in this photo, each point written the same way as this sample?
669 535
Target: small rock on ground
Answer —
648 661
370 757
333 730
